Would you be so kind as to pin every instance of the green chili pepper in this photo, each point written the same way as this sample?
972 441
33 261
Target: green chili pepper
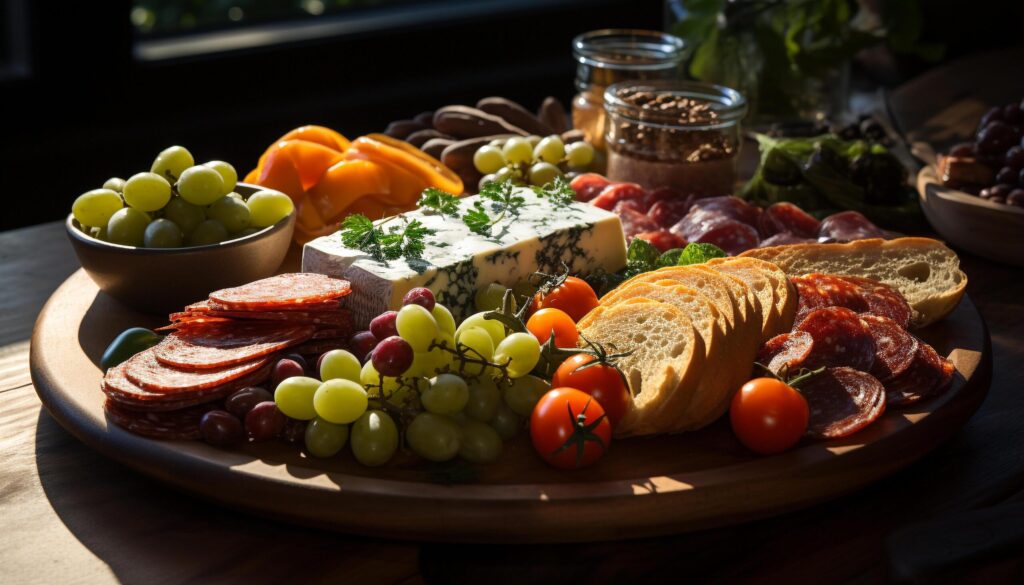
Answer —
128 343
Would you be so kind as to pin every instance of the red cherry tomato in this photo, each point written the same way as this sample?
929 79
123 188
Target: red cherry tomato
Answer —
569 429
544 321
574 297
603 382
768 416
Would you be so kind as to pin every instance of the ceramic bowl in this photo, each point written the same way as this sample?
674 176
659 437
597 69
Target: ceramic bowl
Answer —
163 280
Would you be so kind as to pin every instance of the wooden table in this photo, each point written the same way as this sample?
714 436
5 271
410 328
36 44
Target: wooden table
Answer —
72 516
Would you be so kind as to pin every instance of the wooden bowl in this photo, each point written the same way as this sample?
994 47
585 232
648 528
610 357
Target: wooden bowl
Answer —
163 280
991 230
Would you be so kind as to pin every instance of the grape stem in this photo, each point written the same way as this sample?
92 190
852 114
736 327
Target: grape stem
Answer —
464 354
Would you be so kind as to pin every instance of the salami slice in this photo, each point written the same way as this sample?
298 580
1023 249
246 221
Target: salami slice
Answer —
784 239
840 339
320 307
786 218
228 345
588 185
194 323
894 347
882 299
146 371
128 394
929 374
787 352
283 290
732 236
809 298
635 222
842 401
730 207
848 226
173 425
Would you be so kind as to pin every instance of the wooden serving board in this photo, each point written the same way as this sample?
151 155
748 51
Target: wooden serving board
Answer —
643 487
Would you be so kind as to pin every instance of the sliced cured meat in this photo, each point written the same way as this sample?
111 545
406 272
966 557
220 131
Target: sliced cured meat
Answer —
842 401
927 376
783 239
227 345
786 218
198 307
321 307
283 290
667 212
173 425
319 346
331 333
730 207
786 352
824 290
894 347
809 298
882 299
194 323
667 194
634 222
663 240
146 371
840 339
119 388
630 204
588 185
730 235
848 226
616 192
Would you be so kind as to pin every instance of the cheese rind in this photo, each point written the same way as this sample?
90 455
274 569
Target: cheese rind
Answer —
456 262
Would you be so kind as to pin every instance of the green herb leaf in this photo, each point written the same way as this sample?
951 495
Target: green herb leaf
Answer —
670 258
558 192
697 253
440 201
358 232
477 219
641 256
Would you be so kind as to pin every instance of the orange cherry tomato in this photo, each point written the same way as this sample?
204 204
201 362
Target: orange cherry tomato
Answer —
603 382
574 296
768 415
569 429
544 321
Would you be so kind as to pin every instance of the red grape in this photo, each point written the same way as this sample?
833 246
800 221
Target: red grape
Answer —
1016 197
285 368
392 357
993 115
1012 114
997 138
265 421
294 430
418 296
964 149
1015 158
299 360
221 428
383 326
242 401
1007 175
361 344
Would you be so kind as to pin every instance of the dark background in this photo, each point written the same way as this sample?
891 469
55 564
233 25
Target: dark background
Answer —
84 108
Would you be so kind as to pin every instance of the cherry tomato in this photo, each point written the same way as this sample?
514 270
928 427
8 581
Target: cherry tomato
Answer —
768 416
574 297
544 321
603 382
569 429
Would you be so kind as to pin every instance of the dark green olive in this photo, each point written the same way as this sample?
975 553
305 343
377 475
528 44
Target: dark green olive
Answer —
128 343
780 169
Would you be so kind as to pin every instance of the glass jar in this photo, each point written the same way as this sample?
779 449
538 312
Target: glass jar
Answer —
680 134
610 56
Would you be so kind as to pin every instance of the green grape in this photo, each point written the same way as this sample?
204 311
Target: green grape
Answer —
489 297
543 173
231 212
442 359
100 233
416 325
172 162
499 142
479 443
235 195
115 184
524 393
162 233
339 364
94 208
269 207
486 180
369 376
324 439
477 340
433 437
422 365
294 397
127 227
550 150
447 394
488 159
208 232
506 422
521 351
444 318
227 173
493 327
484 398
339 401
408 393
533 139
506 174
184 214
517 150
374 438
147 191
201 186
579 154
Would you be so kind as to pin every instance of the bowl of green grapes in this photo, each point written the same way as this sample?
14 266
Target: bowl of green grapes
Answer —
166 237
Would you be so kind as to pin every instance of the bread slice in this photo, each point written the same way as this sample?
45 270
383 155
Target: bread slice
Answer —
924 270
709 325
667 359
715 290
763 289
785 296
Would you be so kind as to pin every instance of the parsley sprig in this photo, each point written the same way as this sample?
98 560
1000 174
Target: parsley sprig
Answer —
503 201
440 201
558 192
359 232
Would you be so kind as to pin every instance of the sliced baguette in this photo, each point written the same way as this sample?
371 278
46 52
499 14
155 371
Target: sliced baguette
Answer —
709 325
924 270
783 291
667 359
763 289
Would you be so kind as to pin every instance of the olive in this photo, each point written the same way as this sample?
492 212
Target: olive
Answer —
825 157
997 138
964 149
780 169
221 428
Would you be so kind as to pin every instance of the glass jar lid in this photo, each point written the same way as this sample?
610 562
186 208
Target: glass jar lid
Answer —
676 104
628 49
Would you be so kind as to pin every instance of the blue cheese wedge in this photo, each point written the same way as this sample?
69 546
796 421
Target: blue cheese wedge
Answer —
540 237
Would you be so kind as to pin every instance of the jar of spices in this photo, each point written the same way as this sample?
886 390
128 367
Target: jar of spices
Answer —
679 134
610 56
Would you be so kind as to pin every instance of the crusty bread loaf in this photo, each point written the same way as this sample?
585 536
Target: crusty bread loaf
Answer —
924 270
667 359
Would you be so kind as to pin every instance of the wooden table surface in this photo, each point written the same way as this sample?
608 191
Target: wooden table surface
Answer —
72 516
